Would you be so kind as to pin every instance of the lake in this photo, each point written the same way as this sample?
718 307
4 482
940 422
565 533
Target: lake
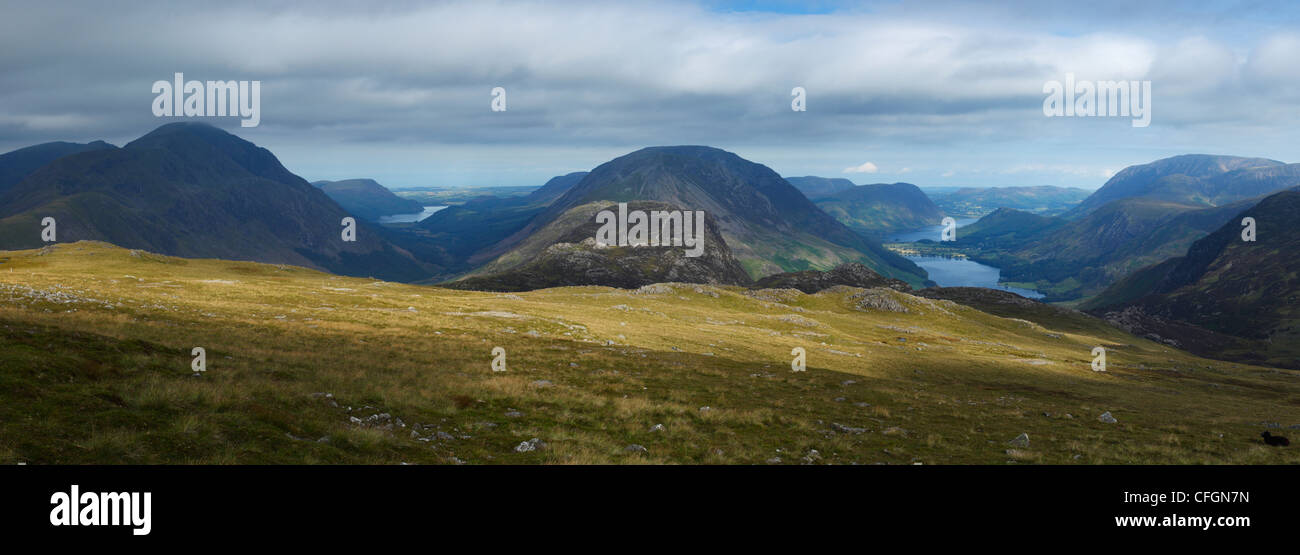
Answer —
408 218
955 272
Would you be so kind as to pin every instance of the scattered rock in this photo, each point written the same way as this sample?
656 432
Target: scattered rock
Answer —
530 445
634 448
1021 440
1107 418
657 428
847 429
542 383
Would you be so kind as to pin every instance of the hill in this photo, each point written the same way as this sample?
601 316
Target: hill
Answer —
813 281
469 228
571 257
882 207
1069 260
16 165
769 225
815 187
1243 296
1046 200
367 199
309 368
1190 179
190 189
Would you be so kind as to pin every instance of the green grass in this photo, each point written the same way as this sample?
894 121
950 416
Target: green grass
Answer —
95 368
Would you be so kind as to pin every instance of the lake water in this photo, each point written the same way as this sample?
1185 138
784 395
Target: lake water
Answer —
956 272
408 218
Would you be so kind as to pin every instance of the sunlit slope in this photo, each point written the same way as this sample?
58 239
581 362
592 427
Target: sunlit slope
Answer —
95 346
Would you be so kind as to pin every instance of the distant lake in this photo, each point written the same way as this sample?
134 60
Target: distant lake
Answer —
408 218
955 272
960 272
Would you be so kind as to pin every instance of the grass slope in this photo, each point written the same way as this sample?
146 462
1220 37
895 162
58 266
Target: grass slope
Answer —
95 368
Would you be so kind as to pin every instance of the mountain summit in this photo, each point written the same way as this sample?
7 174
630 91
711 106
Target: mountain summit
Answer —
768 224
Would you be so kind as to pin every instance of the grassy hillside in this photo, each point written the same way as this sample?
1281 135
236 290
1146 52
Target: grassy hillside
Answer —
881 207
307 367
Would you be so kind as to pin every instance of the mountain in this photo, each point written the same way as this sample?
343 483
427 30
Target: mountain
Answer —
555 188
1068 260
366 199
1226 297
1192 179
16 165
192 190
570 257
815 187
1006 229
769 225
871 209
1155 211
479 223
1046 200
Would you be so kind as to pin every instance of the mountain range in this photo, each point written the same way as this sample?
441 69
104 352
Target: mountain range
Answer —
1143 215
972 202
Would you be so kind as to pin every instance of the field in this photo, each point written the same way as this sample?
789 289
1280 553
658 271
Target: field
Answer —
304 367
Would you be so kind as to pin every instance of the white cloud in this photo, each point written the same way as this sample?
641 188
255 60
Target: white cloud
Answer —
866 167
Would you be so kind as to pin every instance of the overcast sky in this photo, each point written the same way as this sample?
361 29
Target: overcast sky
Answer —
933 93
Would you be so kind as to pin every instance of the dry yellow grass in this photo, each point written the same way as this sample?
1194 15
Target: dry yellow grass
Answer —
96 368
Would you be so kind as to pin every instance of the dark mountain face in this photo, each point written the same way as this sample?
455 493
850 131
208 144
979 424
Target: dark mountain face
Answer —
367 199
1226 297
769 225
1073 259
573 258
1193 179
815 187
876 208
189 189
555 188
16 165
812 281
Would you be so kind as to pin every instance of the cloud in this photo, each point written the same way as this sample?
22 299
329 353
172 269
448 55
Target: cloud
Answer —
410 83
866 167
